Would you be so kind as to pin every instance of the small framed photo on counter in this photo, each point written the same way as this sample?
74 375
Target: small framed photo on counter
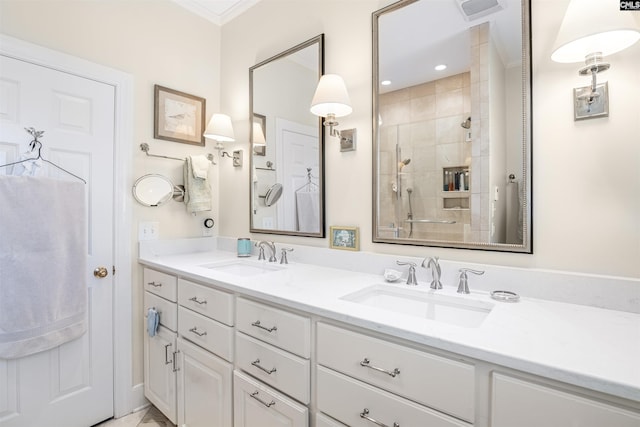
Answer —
346 238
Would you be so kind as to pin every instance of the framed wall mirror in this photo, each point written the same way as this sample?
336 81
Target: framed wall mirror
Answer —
452 124
289 153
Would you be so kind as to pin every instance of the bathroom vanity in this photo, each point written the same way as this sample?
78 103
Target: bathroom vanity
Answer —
250 343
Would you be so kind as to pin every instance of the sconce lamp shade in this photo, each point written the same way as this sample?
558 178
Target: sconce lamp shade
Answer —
220 128
331 97
258 135
591 26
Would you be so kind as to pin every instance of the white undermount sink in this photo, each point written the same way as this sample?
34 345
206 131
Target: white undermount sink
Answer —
242 267
423 304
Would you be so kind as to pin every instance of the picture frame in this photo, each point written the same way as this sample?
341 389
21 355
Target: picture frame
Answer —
259 141
345 238
178 116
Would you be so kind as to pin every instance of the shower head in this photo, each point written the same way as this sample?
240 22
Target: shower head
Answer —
467 123
403 163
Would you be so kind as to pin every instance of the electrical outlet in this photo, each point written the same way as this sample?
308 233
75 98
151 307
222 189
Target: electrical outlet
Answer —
148 230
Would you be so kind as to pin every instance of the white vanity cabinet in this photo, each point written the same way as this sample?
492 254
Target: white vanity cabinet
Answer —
363 378
188 372
523 403
273 346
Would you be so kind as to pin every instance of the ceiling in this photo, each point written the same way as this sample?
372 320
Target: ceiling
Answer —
217 11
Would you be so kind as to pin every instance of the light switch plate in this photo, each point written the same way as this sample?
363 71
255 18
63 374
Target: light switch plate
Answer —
148 230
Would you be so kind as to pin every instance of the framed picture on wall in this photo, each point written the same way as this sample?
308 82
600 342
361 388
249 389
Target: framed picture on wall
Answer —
178 116
344 238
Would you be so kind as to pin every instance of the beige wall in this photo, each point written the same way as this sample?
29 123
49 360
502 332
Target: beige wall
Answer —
586 176
157 43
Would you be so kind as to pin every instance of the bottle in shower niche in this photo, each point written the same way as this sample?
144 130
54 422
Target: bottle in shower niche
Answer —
462 181
445 180
466 180
452 184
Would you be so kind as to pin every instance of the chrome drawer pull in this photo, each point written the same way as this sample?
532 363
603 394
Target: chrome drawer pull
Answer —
157 285
366 363
256 363
166 354
255 396
195 299
175 356
258 325
365 414
195 331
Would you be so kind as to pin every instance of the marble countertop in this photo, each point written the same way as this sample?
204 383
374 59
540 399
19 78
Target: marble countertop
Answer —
585 346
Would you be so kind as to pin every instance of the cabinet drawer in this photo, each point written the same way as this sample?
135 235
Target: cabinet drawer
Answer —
350 401
207 333
255 404
435 381
278 327
280 369
323 421
526 404
210 302
162 284
168 310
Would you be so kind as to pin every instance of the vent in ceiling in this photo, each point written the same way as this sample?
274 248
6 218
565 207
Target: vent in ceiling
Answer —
474 9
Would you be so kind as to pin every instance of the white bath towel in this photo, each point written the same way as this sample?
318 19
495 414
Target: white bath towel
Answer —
197 191
308 211
43 264
200 165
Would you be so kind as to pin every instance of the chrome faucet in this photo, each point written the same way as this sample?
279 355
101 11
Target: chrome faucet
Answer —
463 285
432 263
272 249
283 255
411 277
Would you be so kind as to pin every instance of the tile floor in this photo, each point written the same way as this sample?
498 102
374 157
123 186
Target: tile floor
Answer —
150 417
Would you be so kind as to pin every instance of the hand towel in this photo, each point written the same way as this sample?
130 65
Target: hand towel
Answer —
308 211
153 320
43 264
200 165
197 191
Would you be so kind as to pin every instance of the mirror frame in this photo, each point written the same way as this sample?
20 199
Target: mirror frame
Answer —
319 40
526 189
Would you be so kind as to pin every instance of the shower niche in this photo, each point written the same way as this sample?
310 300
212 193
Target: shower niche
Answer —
455 188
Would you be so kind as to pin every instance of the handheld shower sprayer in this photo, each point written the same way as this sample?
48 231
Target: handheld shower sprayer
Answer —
467 123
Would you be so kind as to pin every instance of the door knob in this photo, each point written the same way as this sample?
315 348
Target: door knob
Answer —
100 272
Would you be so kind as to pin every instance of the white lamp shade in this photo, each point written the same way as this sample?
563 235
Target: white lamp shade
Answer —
220 128
591 26
331 97
258 135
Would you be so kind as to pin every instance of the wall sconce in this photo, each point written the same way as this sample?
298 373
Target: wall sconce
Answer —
221 129
590 30
331 100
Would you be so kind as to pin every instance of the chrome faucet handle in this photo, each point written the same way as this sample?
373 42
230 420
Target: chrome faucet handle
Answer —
436 272
260 253
463 285
283 257
411 277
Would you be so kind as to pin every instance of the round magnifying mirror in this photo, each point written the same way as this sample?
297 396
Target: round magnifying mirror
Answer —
152 190
273 194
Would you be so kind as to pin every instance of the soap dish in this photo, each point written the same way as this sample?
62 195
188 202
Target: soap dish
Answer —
505 296
391 275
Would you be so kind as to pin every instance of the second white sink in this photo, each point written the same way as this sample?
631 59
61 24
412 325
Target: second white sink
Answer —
423 304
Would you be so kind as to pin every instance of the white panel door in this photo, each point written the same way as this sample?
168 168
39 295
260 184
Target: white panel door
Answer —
71 385
298 150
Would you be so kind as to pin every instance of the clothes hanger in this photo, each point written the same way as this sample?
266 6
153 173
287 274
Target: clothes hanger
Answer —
37 144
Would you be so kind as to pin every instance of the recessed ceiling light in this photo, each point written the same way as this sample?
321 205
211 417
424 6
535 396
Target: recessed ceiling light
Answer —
440 67
385 82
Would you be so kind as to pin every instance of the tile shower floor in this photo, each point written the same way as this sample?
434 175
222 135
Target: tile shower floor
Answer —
150 417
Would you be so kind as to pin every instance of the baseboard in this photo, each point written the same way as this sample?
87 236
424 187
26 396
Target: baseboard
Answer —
138 401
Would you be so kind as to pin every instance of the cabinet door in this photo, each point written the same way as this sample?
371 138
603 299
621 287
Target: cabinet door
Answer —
516 402
256 405
159 371
204 388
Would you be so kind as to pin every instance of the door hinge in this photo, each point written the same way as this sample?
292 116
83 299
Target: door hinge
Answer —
113 270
